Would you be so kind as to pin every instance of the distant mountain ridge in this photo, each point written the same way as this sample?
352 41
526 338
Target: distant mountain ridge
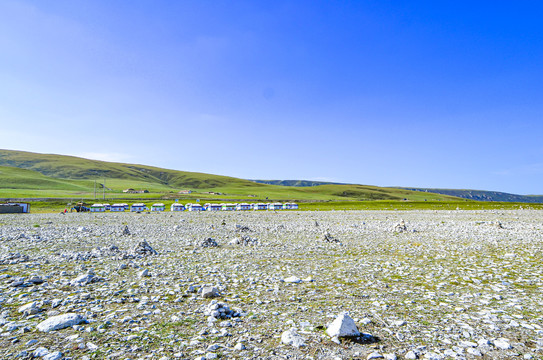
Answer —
298 183
482 195
478 195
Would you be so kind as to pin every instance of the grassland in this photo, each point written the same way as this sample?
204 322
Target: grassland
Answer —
52 182
25 175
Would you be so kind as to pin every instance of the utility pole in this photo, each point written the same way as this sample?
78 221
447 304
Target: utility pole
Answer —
94 189
104 186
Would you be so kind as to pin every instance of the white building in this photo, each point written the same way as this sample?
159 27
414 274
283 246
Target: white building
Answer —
177 207
194 207
213 207
158 207
260 206
138 207
275 206
243 207
97 208
228 207
117 207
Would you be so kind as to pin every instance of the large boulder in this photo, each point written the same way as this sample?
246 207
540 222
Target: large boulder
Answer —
60 322
343 326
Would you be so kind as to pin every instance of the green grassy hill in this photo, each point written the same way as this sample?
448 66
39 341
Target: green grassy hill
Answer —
32 175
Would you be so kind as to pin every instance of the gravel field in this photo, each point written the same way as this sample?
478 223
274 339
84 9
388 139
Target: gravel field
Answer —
268 285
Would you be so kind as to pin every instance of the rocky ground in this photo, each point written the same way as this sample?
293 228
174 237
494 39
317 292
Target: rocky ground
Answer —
268 285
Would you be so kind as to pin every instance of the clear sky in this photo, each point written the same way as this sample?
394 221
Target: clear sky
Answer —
445 94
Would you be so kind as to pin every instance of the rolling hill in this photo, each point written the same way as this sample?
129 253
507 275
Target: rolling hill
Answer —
33 175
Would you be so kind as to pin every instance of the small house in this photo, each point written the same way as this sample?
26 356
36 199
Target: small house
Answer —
14 208
260 206
213 207
195 207
158 207
275 206
243 207
97 208
177 207
290 206
138 207
228 207
117 207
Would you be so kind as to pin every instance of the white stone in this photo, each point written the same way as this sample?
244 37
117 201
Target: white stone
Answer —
239 347
291 337
433 356
474 352
209 292
30 308
342 326
502 344
60 322
375 355
57 355
40 352
293 279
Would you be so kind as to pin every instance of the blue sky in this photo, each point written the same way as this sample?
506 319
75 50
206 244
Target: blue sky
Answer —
441 94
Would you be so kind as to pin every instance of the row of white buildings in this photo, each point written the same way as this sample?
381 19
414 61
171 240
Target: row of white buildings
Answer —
139 207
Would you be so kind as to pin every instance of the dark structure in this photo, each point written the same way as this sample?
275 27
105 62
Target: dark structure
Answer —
14 208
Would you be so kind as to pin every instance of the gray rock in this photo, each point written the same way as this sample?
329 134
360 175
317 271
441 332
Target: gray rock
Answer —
29 309
502 344
85 279
56 355
209 292
40 352
291 337
60 322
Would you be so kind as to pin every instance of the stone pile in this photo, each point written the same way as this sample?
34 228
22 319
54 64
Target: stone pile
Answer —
329 238
220 310
144 248
400 227
244 240
208 242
